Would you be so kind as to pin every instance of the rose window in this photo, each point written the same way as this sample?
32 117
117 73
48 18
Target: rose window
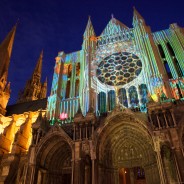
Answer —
119 68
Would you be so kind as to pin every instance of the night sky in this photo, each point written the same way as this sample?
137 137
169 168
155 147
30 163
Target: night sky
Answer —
58 25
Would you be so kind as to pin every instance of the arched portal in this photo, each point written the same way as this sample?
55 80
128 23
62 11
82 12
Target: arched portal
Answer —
54 161
125 146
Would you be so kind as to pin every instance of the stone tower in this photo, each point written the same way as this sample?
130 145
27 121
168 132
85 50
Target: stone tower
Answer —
5 54
34 89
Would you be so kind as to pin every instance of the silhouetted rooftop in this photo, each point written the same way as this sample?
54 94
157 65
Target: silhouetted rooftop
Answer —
20 108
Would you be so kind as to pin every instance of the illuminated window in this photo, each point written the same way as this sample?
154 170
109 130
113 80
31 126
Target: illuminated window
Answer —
77 87
69 71
102 102
68 89
133 96
111 99
161 51
77 69
175 61
171 51
123 97
169 74
119 68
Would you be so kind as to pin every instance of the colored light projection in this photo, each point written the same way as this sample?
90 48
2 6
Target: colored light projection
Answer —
63 116
177 86
118 65
158 88
124 65
62 103
119 69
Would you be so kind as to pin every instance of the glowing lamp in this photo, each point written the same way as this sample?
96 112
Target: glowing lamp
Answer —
63 116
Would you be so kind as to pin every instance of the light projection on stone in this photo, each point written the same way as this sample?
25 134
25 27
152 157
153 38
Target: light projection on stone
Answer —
119 68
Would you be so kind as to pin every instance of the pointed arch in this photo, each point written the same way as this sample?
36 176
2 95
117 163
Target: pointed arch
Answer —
53 157
125 142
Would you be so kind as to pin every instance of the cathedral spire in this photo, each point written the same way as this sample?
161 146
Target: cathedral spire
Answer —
89 31
45 83
38 68
88 36
6 50
5 54
34 89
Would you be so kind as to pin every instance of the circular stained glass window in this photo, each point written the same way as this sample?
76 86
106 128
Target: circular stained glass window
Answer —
119 68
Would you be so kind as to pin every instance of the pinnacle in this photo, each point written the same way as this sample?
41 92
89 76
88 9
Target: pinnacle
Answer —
89 28
38 68
137 14
45 83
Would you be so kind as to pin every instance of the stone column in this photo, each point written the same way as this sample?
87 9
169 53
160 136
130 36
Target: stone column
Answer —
169 168
93 158
86 130
148 177
132 177
73 164
87 175
159 126
160 168
159 161
80 131
100 175
173 117
39 180
152 173
74 134
93 171
77 174
167 126
32 170
31 174
149 114
180 162
44 176
92 132
116 176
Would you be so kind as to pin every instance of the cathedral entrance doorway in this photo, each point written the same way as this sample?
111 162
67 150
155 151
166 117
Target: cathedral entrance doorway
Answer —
126 152
132 175
54 161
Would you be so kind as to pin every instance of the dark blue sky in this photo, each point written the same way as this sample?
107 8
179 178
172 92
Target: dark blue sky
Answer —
58 25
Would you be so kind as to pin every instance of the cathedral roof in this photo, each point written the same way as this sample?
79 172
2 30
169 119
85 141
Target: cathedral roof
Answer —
20 108
113 26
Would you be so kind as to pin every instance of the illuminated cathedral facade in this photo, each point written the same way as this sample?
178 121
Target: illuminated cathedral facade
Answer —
114 114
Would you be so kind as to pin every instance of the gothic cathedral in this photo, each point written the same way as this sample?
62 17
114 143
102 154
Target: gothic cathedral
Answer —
114 114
